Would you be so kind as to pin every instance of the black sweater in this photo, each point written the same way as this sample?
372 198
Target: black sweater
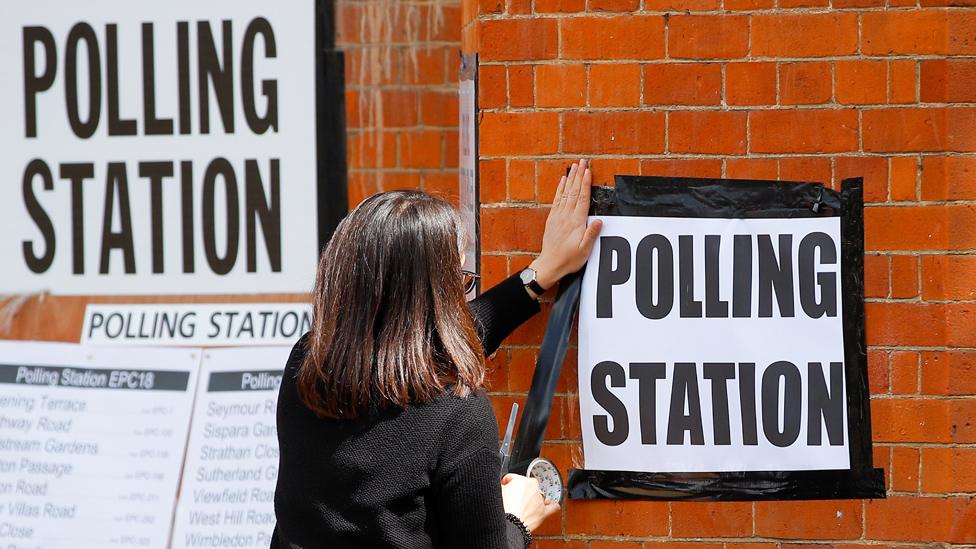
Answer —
422 477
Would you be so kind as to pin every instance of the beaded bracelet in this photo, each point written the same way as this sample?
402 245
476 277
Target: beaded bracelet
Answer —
526 536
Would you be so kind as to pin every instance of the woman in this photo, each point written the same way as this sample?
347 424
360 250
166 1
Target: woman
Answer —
387 438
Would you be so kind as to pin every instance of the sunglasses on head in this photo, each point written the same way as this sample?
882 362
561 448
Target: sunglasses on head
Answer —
470 280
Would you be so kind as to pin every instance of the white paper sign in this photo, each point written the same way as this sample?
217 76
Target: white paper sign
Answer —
91 443
227 494
713 345
157 147
197 324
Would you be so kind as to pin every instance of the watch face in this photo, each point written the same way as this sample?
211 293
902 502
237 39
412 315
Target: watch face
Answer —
527 275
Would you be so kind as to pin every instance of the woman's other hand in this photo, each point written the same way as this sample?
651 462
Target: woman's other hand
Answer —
521 497
567 241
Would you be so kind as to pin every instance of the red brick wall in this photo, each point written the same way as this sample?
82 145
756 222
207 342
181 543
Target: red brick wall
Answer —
794 90
401 94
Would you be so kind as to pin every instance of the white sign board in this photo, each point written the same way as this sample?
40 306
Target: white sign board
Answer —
197 324
711 345
157 147
91 444
227 494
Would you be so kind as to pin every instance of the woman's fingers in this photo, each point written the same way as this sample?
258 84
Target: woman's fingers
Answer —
583 200
559 191
575 182
590 235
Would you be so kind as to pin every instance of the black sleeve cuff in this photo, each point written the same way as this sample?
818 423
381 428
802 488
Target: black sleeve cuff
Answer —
500 310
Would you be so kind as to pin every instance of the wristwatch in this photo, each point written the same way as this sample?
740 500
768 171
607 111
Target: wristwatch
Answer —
532 286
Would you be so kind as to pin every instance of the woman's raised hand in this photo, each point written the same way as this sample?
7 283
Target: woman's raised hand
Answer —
521 497
567 241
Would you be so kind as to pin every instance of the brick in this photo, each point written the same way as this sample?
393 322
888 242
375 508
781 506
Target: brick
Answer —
962 421
805 168
911 420
519 133
962 40
901 85
948 80
861 82
518 39
948 470
615 85
961 227
559 6
614 5
949 373
711 519
511 229
900 228
683 84
786 4
802 35
820 519
805 83
603 169
371 149
492 177
707 132
904 32
842 4
960 325
747 5
751 83
439 109
948 178
612 37
878 372
560 85
708 36
961 132
681 5
904 469
876 275
492 86
451 143
803 131
441 184
521 86
874 170
682 167
425 65
519 7
949 277
521 365
905 324
904 170
548 173
904 372
613 132
617 518
521 180
390 180
751 168
901 518
904 276
904 130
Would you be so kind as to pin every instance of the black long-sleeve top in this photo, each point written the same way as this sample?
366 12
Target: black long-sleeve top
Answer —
422 477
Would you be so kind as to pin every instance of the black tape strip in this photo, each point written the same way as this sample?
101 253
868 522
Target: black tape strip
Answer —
722 198
538 404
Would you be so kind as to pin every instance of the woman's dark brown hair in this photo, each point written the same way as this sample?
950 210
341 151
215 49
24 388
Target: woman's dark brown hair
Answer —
390 325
